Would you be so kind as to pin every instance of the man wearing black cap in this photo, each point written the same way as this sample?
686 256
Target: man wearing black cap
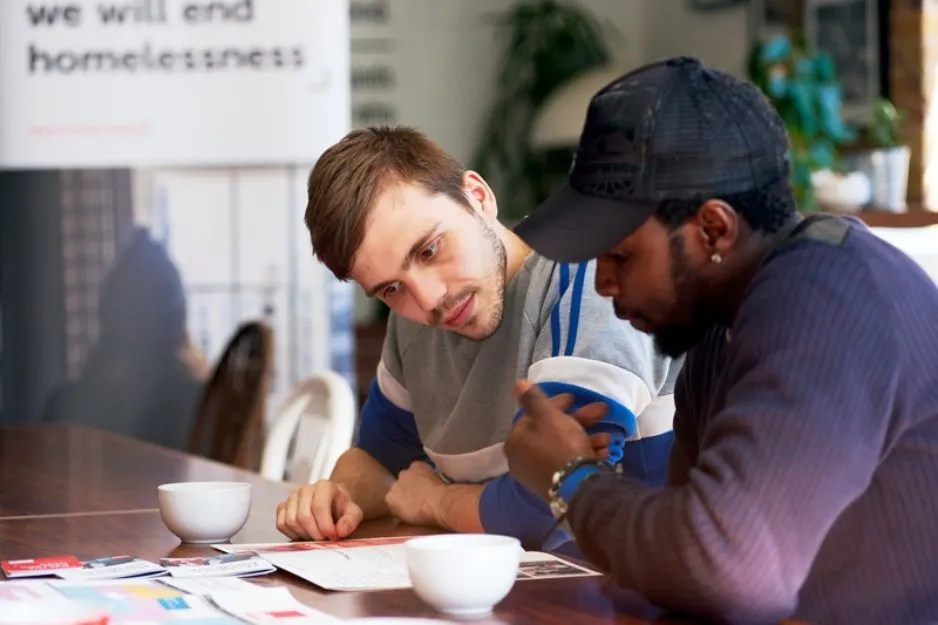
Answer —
803 480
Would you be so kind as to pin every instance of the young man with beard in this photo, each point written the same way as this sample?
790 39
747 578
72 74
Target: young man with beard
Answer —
472 309
803 481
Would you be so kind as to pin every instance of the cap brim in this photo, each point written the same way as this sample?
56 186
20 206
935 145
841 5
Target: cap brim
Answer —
572 227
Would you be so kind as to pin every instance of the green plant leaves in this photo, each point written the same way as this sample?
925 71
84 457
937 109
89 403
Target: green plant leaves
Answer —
775 50
806 92
829 101
824 70
801 99
886 124
546 43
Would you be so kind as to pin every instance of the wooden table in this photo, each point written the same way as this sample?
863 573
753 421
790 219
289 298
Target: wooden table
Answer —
72 469
73 490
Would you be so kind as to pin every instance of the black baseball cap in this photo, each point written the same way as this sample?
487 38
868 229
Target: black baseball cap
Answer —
671 130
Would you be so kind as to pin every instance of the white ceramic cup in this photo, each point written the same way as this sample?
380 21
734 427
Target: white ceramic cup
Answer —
205 512
463 575
51 613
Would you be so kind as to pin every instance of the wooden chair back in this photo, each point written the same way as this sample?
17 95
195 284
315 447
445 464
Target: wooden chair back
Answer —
229 427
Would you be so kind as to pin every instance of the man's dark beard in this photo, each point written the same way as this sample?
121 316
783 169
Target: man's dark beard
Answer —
676 339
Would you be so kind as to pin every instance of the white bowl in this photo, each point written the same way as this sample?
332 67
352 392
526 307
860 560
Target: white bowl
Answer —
51 613
205 512
463 575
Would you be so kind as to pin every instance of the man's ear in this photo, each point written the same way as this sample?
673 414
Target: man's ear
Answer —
717 226
480 195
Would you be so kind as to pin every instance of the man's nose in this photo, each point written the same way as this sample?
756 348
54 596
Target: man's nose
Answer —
606 283
428 292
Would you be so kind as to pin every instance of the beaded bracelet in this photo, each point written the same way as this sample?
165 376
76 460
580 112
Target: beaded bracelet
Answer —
560 507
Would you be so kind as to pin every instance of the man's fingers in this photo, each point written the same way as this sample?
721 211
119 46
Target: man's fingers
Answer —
591 413
349 517
282 526
307 516
533 399
321 525
292 509
603 439
390 500
522 387
600 444
418 466
563 401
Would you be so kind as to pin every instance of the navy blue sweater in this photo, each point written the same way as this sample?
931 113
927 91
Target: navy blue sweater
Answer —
804 474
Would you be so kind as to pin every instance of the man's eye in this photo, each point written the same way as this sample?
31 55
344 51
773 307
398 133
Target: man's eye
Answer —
389 290
430 251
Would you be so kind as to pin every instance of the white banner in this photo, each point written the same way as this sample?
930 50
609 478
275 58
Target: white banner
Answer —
99 83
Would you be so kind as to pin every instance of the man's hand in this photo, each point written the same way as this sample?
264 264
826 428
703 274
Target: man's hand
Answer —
545 438
320 511
421 497
587 415
416 495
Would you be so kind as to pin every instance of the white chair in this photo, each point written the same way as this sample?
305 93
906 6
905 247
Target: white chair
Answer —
311 430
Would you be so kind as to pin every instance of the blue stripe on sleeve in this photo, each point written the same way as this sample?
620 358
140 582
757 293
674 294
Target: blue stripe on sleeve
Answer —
388 433
575 302
555 330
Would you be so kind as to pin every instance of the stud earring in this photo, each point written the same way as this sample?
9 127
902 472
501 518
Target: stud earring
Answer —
716 259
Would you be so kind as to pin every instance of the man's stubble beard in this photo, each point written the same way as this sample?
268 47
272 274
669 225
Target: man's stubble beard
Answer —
494 280
691 294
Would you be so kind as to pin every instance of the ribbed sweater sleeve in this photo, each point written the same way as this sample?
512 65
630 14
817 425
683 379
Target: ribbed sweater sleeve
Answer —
684 447
810 376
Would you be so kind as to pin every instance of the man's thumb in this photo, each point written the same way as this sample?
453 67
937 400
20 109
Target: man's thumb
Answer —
532 398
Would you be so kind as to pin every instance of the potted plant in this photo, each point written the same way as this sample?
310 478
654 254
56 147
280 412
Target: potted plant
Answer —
806 92
546 43
887 163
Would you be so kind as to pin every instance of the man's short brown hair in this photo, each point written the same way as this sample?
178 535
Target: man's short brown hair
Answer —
349 176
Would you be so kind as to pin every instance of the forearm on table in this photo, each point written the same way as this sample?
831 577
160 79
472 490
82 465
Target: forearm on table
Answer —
674 549
736 540
366 480
458 508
